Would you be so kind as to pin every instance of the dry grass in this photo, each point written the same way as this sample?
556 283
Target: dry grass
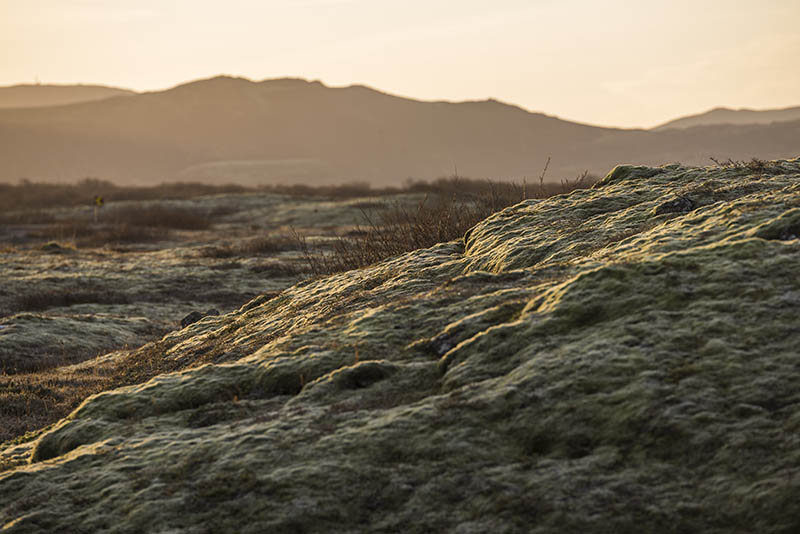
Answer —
160 217
125 225
473 188
84 234
257 246
444 215
32 401
754 165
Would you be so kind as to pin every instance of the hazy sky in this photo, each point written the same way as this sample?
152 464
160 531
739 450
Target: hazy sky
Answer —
608 62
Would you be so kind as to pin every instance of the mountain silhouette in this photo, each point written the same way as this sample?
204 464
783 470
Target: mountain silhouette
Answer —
28 96
228 129
734 116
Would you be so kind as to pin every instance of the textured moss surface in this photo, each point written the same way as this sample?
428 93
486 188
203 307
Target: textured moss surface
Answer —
621 359
62 304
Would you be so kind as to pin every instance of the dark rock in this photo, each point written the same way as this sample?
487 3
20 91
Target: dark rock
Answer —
442 344
191 318
678 205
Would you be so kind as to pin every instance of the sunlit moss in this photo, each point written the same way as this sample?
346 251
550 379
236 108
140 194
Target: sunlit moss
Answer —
584 360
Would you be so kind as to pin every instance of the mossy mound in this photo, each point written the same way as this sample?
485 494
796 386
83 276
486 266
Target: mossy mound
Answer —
620 359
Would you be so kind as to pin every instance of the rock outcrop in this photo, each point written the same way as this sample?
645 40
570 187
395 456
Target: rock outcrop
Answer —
620 359
195 316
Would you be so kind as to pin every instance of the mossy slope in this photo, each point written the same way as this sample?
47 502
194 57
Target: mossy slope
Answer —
622 359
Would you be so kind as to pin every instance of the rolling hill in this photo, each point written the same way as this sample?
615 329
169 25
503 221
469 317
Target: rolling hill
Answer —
32 96
734 116
291 130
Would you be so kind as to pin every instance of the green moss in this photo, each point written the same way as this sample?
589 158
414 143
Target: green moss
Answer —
785 227
579 361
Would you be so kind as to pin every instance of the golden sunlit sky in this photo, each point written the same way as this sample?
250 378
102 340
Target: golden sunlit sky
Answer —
613 63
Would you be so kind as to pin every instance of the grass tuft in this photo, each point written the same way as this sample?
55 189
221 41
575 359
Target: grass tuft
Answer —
754 165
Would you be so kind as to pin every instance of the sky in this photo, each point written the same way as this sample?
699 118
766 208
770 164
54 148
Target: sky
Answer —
626 63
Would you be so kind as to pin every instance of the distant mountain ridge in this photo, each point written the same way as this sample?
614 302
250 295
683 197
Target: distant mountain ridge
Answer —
723 115
37 95
288 130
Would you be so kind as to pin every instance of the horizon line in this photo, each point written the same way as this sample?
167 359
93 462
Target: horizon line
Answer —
318 81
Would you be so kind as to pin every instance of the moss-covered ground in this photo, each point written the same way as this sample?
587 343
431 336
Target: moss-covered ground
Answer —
77 284
619 359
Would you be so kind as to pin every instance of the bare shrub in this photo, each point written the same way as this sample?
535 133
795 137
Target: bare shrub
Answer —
445 215
754 165
397 229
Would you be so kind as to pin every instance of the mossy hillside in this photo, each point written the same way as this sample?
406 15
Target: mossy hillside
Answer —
621 359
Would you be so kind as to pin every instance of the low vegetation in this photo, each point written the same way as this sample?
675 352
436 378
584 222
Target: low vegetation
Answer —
622 356
35 396
33 400
450 208
753 165
34 197
30 401
28 195
84 234
38 196
129 224
42 300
